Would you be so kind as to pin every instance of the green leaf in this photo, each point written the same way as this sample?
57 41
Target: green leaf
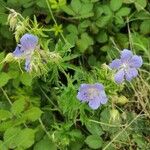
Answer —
76 5
103 21
4 114
2 146
94 141
79 9
45 144
10 137
32 114
102 37
140 4
5 125
26 138
18 106
26 79
4 78
115 4
124 11
145 27
94 128
72 29
68 10
17 138
84 42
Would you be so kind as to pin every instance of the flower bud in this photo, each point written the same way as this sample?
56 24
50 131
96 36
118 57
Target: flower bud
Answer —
114 115
12 19
122 100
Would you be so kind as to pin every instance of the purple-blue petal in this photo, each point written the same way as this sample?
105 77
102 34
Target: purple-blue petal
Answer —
115 64
17 52
119 76
126 55
29 41
103 97
136 61
83 92
131 73
27 64
99 86
94 104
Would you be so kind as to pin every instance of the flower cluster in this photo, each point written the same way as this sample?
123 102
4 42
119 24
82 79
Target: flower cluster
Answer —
126 68
94 94
25 49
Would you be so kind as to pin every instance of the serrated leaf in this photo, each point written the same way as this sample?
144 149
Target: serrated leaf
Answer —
79 9
76 5
84 42
32 114
124 11
140 4
103 21
115 4
86 8
72 29
68 10
17 138
94 128
26 79
45 144
18 106
145 27
26 138
5 125
94 141
2 146
102 37
4 114
10 137
4 78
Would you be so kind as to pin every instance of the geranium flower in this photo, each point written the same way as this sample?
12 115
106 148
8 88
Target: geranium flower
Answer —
28 43
94 94
126 66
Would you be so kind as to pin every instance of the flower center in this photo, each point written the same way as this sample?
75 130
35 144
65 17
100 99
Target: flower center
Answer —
125 66
92 93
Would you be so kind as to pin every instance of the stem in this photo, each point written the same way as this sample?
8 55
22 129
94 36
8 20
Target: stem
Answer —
44 128
53 18
4 92
106 124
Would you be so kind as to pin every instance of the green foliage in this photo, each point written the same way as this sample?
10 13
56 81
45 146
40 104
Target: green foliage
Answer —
45 144
19 138
115 4
39 109
94 141
4 78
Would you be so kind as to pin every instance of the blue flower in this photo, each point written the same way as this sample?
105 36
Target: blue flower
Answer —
126 66
28 43
94 94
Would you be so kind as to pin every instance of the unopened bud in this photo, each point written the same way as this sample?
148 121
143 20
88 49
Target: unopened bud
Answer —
12 19
114 115
122 100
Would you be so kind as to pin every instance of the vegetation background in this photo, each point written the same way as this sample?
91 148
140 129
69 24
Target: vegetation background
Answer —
39 110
